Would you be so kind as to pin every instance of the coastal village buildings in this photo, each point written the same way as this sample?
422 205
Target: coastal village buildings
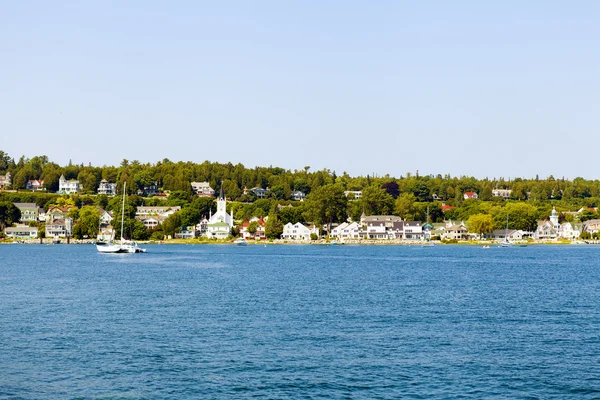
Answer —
5 181
470 195
551 229
70 186
203 189
107 188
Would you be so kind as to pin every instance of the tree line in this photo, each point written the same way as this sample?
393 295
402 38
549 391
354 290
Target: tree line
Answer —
411 196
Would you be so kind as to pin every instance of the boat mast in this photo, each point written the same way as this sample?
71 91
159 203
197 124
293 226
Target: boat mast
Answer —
123 212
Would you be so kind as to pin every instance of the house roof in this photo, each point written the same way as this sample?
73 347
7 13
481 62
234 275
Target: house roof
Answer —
25 205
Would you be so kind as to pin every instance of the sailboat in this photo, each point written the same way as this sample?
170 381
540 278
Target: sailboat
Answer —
122 247
506 242
426 234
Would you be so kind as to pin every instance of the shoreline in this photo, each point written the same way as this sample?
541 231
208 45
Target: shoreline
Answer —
322 242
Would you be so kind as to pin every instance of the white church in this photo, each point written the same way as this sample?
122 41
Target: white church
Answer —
220 224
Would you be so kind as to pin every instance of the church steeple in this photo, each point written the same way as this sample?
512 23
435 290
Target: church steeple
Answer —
221 197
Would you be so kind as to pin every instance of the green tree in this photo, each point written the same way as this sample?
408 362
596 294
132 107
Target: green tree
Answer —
9 214
253 227
405 206
326 204
273 227
480 223
88 223
377 201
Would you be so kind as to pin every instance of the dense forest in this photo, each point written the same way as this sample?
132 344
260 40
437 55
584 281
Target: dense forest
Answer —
411 196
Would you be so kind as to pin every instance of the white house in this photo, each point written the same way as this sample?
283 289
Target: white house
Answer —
551 229
376 230
68 186
203 189
413 230
337 231
470 195
298 231
22 232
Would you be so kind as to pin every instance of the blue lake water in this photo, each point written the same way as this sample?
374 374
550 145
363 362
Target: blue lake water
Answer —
308 322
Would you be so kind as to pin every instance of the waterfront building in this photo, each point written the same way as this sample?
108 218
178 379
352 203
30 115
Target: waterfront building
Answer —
298 231
29 211
22 232
186 232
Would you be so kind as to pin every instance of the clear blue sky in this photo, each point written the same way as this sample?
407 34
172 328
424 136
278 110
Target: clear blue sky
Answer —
481 88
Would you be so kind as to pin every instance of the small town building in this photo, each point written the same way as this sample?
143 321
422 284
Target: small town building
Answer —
21 232
298 196
29 211
504 193
203 189
35 185
457 231
298 231
59 228
470 195
107 188
259 234
592 226
186 232
70 186
5 181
